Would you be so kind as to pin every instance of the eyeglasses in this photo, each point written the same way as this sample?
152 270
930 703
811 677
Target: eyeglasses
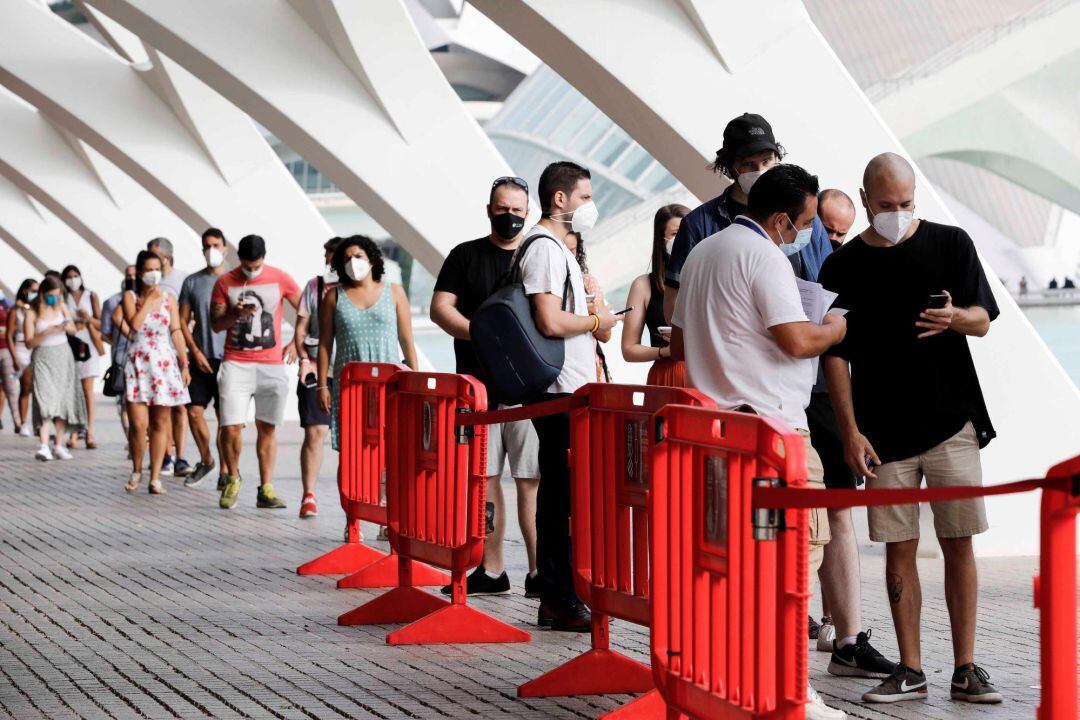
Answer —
510 179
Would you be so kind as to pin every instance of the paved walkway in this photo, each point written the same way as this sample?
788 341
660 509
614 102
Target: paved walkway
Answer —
138 606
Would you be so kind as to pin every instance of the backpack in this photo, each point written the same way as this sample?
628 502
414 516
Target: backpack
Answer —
520 362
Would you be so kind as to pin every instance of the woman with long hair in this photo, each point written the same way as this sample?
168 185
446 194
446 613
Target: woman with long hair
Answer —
647 299
85 307
20 354
156 369
575 243
58 397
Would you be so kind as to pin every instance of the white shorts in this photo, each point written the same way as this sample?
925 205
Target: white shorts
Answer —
519 441
239 382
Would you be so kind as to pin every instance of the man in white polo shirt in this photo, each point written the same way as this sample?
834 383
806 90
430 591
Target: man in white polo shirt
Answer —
739 324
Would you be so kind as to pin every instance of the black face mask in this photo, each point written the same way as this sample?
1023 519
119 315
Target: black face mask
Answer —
507 225
129 284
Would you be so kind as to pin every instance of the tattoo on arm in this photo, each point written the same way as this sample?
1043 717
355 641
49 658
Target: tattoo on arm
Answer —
894 585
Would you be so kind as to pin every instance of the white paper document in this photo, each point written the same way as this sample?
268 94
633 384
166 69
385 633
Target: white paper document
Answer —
816 300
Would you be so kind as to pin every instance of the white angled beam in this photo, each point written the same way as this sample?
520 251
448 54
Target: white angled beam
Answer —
675 102
199 155
106 207
13 268
352 89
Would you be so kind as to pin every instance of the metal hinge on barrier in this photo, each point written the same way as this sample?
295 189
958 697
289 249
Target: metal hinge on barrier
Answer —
464 433
767 521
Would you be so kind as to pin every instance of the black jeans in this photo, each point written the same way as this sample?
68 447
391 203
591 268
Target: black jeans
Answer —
553 508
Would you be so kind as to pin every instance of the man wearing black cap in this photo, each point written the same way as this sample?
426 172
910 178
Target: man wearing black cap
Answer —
749 150
247 301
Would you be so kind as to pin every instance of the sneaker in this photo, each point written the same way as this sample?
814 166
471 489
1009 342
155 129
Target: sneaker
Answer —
25 431
222 481
229 492
970 683
198 474
903 684
480 583
826 635
308 507
167 465
816 709
267 498
532 585
181 468
60 452
572 618
44 454
860 660
814 627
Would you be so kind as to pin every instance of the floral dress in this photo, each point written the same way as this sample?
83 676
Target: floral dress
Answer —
152 373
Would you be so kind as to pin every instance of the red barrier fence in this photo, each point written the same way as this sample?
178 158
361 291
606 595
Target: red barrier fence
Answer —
729 600
435 485
610 450
361 466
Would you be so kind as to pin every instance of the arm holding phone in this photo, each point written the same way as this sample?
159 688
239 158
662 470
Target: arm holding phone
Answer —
974 320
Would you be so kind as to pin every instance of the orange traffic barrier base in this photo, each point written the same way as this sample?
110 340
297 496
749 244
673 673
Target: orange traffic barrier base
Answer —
650 706
345 559
383 573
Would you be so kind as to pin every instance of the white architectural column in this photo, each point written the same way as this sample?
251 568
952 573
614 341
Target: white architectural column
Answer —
707 62
46 243
200 156
349 86
105 206
13 268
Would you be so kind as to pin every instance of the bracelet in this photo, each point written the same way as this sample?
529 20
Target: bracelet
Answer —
596 322
322 387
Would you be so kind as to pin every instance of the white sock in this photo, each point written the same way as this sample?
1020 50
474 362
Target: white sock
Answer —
844 642
533 574
492 575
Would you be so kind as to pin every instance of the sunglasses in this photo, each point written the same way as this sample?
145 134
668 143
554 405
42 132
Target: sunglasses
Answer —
508 180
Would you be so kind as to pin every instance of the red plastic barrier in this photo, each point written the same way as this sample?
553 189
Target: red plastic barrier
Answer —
729 585
435 484
362 462
1055 596
611 439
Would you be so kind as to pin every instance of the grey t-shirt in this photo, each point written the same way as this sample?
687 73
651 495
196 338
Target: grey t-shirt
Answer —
196 292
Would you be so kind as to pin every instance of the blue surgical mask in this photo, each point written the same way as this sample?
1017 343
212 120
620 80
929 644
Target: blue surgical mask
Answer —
802 239
50 300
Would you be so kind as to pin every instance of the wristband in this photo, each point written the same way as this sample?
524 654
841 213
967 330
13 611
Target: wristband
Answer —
323 387
596 322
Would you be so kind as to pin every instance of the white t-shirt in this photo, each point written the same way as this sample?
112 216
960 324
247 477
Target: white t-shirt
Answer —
735 285
174 281
543 270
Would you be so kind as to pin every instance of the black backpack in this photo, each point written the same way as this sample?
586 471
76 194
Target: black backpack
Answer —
519 361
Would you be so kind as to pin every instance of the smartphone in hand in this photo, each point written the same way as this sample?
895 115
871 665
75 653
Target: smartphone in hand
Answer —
938 301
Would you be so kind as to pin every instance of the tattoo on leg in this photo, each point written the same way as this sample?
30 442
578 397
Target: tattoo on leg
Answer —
894 585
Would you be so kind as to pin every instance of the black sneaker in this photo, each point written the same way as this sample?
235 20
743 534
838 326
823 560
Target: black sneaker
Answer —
545 615
532 585
814 627
198 474
181 468
571 618
860 660
480 583
970 683
222 480
903 684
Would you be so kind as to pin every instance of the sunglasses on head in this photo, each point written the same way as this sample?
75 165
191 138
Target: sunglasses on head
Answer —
508 180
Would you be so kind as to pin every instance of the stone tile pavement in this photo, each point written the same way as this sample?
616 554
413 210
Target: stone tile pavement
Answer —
138 606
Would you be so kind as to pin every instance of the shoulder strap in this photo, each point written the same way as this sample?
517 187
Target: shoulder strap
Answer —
514 274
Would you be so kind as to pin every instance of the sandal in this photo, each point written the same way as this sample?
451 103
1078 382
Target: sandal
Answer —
72 442
156 488
91 444
133 483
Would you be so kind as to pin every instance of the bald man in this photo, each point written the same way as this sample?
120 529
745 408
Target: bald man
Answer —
837 213
909 406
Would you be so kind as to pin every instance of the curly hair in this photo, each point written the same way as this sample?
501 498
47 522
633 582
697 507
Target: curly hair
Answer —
724 164
374 256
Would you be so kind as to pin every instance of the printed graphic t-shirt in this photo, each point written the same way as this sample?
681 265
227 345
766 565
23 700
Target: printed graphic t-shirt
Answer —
257 338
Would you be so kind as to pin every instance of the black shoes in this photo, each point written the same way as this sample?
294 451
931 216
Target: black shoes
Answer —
970 683
571 618
545 615
903 684
480 583
860 660
814 627
532 586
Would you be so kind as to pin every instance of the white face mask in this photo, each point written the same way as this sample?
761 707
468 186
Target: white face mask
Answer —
252 274
73 283
30 296
151 277
584 217
357 268
746 180
891 225
669 244
214 257
330 274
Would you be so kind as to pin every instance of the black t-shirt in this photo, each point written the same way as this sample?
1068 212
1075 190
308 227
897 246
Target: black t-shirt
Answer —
910 394
472 272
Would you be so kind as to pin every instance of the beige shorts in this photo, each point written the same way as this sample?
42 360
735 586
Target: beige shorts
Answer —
517 442
953 463
819 518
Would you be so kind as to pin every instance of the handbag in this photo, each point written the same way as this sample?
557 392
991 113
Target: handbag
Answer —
113 381
79 349
520 362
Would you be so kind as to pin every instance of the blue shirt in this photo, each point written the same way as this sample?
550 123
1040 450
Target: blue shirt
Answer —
713 216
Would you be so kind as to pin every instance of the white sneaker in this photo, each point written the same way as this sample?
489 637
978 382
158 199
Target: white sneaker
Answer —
60 452
816 709
25 431
825 637
43 454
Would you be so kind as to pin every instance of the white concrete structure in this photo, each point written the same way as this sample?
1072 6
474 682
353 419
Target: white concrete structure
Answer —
186 145
350 87
106 207
678 116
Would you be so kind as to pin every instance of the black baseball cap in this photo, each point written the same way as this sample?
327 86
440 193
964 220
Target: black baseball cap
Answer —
251 247
748 134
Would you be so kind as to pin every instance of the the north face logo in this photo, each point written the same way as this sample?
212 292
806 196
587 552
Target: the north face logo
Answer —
756 131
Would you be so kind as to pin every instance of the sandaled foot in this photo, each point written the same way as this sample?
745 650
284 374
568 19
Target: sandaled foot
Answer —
133 482
156 488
